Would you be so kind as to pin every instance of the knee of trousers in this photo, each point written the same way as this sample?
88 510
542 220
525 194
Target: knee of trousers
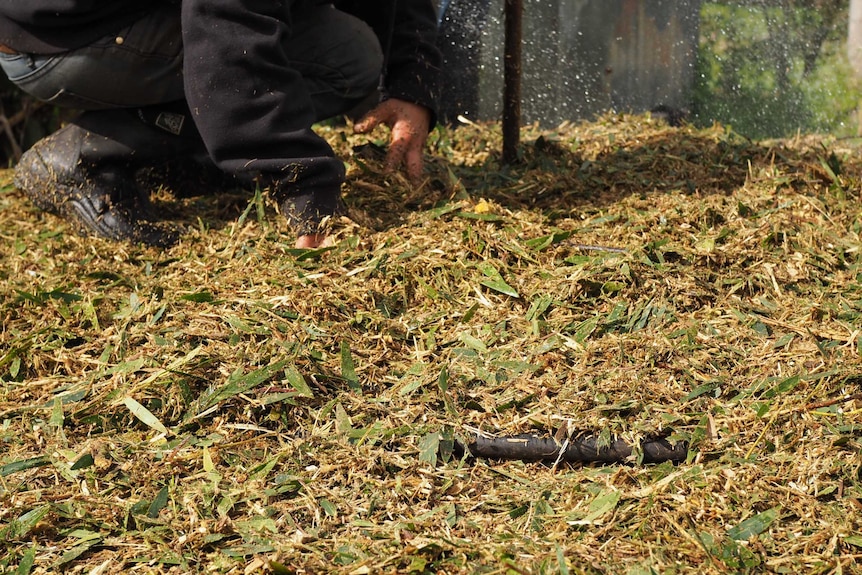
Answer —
368 64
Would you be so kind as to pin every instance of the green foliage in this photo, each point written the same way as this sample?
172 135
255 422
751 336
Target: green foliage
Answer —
775 70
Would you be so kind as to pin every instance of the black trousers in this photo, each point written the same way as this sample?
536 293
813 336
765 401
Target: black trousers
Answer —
337 55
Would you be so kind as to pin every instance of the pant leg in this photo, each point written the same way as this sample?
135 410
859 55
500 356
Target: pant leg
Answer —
139 66
338 56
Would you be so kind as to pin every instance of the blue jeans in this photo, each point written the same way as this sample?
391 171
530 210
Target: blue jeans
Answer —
338 56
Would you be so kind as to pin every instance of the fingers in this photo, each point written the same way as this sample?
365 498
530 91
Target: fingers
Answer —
398 146
409 124
406 149
414 164
367 123
381 114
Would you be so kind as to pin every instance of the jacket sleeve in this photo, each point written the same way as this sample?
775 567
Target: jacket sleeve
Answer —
407 30
250 106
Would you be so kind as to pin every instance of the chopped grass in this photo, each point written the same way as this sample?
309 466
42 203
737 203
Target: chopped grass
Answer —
234 405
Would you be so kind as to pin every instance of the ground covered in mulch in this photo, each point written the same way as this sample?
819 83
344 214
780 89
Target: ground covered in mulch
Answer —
233 405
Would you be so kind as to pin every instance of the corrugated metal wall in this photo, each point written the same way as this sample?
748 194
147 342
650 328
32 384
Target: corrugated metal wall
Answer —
581 57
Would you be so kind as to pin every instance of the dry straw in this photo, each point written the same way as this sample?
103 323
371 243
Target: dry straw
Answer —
232 405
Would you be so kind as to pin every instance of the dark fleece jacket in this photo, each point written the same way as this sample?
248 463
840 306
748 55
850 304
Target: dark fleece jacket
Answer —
246 100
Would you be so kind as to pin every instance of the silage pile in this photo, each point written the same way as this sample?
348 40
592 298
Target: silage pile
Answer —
234 405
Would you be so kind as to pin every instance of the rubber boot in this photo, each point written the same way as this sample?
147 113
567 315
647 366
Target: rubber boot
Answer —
85 172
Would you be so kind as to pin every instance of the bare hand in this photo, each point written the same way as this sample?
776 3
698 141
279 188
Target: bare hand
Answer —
409 124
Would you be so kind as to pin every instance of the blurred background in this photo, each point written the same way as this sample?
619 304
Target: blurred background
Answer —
768 68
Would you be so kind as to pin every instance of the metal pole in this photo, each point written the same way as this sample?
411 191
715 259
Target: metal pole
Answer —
514 10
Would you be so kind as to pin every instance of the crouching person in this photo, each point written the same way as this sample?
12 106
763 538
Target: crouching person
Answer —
229 84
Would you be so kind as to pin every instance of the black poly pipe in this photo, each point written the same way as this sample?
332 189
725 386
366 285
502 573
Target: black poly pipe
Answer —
583 449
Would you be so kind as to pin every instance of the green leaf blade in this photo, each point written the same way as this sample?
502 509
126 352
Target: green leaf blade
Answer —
754 525
144 415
